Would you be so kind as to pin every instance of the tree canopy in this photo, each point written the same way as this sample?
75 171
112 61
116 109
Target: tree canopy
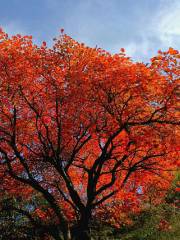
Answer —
91 132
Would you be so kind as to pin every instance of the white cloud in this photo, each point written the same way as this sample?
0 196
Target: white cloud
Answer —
167 23
131 49
138 51
162 32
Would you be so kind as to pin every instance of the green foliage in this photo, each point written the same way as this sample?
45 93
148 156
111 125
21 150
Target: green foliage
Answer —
146 226
14 225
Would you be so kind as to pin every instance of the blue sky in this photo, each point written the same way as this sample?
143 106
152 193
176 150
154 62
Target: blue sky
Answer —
142 27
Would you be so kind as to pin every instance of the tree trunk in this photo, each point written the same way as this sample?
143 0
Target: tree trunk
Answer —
62 233
83 231
67 233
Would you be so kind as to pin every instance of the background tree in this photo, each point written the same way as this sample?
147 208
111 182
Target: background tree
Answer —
88 130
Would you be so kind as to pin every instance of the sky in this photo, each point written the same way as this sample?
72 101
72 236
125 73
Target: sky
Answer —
142 27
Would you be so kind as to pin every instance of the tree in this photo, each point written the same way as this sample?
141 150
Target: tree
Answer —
88 130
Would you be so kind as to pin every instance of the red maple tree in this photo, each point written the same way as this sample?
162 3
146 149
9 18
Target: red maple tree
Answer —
88 130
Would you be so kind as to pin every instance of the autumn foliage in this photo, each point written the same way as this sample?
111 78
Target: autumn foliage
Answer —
95 134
